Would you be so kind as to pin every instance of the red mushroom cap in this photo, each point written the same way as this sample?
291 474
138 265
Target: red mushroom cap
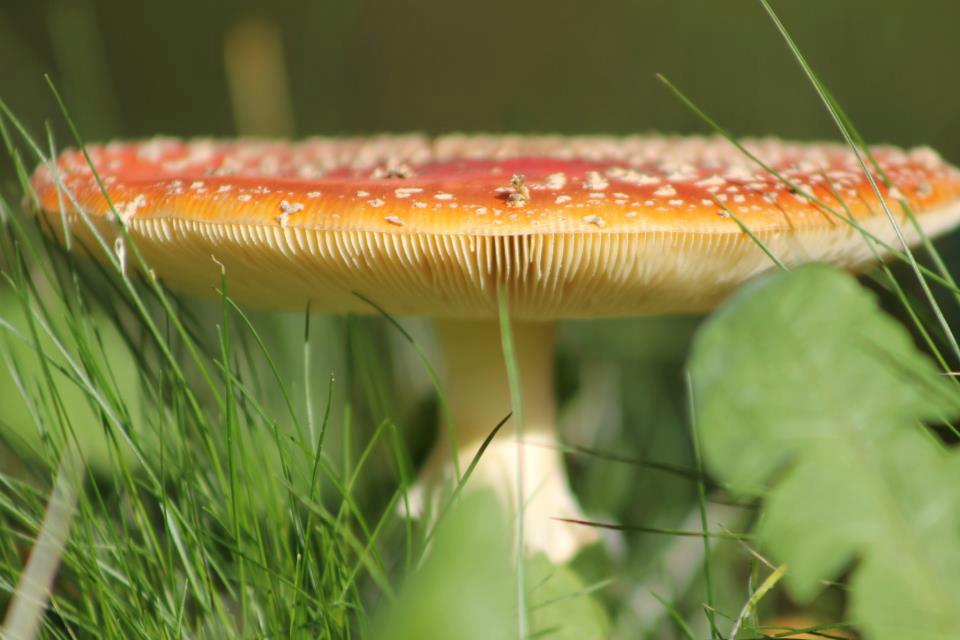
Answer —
573 227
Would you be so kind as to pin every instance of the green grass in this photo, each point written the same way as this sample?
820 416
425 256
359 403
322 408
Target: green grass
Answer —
240 474
206 505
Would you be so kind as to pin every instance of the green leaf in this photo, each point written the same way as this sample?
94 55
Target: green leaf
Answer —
807 394
561 606
465 587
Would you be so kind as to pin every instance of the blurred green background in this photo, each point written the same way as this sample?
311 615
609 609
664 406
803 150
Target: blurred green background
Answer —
298 68
141 68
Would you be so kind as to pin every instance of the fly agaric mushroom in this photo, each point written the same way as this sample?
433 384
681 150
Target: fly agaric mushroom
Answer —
575 227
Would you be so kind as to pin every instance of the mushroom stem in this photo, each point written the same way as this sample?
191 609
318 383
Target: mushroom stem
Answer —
478 395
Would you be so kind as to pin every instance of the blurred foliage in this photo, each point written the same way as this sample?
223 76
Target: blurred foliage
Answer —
560 605
472 540
137 69
467 582
26 377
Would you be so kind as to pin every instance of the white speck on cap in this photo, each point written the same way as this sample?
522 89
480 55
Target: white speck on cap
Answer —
632 176
129 209
556 181
738 172
287 209
290 207
595 181
406 192
712 181
594 220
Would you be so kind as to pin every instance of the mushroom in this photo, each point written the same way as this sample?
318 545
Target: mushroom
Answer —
562 227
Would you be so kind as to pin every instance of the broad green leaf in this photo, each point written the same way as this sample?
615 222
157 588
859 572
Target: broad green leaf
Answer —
561 606
465 587
808 395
